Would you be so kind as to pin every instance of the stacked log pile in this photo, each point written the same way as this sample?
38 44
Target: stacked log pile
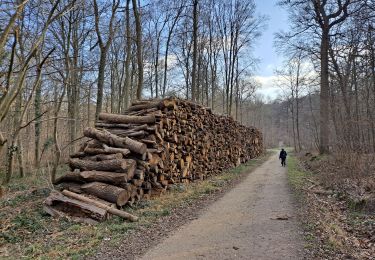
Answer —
155 144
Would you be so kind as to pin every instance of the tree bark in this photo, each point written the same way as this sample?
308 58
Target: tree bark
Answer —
103 47
38 124
111 210
73 207
138 29
101 69
106 150
113 178
107 192
195 51
116 141
128 57
125 119
324 93
122 166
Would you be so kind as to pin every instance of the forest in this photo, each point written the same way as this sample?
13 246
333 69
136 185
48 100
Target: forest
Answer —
64 62
67 64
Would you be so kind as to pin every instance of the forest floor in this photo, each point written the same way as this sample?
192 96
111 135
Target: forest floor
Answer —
337 206
27 232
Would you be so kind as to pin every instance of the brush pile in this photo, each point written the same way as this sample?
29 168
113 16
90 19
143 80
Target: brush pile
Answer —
141 153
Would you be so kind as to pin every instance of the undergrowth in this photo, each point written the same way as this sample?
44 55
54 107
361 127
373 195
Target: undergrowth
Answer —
334 227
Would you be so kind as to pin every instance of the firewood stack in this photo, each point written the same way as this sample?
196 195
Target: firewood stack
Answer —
155 144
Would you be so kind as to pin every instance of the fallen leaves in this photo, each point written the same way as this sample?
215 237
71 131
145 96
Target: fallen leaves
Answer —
340 229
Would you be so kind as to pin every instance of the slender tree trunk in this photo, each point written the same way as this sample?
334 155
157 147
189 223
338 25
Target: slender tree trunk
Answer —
102 63
156 66
138 29
37 113
237 89
297 103
324 93
207 84
20 158
57 150
195 51
89 106
166 64
2 142
297 124
128 58
113 91
170 32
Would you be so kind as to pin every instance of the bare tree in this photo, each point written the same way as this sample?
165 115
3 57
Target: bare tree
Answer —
138 31
104 46
320 16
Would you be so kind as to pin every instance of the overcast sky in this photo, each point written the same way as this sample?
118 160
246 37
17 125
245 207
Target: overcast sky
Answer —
264 49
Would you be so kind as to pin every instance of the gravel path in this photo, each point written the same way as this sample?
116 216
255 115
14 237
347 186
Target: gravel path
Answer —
243 224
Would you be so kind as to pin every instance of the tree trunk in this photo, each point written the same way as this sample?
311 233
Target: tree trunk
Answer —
122 165
107 192
106 150
99 204
114 140
111 210
113 178
37 113
195 51
125 119
57 202
324 93
20 158
138 29
101 71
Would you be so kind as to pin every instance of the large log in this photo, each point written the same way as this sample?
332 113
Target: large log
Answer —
72 186
74 177
106 150
75 207
107 192
114 140
144 105
113 178
104 157
125 119
109 125
111 210
165 103
121 165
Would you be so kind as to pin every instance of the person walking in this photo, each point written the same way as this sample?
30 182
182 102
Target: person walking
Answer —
282 156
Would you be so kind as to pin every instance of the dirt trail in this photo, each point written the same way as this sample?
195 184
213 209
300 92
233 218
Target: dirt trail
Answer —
242 224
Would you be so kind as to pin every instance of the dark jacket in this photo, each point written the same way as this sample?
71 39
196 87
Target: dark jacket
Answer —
283 155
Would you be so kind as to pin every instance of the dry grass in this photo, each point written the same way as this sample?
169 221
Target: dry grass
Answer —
352 175
333 227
